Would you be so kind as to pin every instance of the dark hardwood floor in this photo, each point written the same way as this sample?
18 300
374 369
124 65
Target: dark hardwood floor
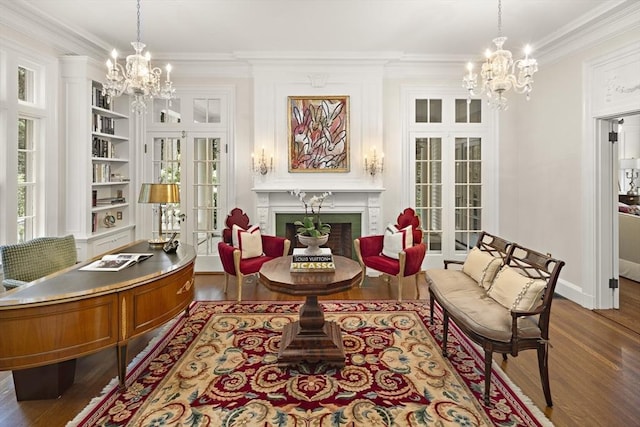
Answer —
594 363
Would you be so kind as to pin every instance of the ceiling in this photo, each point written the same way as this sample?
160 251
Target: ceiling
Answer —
200 29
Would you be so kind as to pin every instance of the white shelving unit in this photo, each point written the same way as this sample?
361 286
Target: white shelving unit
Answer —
99 208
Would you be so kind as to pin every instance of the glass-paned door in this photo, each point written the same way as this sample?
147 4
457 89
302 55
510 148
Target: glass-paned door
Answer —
191 139
206 189
468 192
196 161
428 188
167 153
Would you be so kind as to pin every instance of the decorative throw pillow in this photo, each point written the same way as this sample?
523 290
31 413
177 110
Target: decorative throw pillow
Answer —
515 291
248 241
482 267
396 241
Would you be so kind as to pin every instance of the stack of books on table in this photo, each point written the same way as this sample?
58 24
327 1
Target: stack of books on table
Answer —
318 263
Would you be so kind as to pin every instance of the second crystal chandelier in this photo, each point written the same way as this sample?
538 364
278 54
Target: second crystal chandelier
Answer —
500 73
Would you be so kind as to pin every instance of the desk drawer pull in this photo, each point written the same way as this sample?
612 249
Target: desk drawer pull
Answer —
185 287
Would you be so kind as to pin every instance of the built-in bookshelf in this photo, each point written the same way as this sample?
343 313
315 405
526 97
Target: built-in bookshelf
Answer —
99 212
109 163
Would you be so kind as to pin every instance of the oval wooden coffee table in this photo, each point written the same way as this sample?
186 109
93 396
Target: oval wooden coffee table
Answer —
311 338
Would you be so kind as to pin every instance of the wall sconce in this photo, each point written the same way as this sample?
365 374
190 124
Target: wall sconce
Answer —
631 168
160 194
375 165
261 166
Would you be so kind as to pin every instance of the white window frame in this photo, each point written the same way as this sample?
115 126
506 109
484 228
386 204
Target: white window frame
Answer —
47 156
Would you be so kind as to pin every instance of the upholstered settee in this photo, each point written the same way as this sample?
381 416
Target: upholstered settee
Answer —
500 297
28 261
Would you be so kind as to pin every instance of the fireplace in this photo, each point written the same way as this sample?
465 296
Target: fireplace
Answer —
344 229
352 212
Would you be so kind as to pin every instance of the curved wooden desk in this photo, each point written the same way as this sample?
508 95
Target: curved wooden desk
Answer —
47 324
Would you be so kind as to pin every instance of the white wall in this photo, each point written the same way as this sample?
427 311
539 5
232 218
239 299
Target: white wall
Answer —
542 169
630 138
274 81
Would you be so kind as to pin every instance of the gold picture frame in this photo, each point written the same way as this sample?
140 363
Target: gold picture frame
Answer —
318 133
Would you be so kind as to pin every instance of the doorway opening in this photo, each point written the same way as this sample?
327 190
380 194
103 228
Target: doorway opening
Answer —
624 229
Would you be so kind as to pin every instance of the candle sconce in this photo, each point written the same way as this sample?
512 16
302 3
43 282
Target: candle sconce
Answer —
260 166
375 165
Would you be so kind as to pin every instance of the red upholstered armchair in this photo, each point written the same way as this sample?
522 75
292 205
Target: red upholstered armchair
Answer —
409 261
239 261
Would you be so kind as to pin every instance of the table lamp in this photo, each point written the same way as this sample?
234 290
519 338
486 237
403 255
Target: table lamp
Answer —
631 168
160 194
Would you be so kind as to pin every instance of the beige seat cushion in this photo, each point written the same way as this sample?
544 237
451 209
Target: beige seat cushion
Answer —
470 306
487 317
445 282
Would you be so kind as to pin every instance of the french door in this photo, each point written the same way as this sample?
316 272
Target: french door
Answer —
196 161
188 142
452 170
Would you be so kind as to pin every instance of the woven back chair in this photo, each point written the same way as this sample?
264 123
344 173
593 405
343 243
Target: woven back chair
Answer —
28 261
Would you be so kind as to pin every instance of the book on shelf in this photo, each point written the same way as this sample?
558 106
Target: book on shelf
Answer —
101 172
102 124
116 262
98 99
317 263
101 147
110 201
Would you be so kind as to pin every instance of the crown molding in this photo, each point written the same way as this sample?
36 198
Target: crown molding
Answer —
23 18
603 24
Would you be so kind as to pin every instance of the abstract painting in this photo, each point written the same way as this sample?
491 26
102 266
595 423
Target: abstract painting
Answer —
318 133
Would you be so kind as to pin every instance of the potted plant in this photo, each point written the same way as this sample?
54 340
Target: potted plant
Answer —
311 231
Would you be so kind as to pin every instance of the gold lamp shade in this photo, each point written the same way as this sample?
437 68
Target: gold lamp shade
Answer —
161 194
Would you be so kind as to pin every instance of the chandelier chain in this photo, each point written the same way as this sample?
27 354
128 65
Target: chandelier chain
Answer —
138 21
499 18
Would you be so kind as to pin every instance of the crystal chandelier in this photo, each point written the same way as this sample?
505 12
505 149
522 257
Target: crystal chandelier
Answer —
501 73
137 78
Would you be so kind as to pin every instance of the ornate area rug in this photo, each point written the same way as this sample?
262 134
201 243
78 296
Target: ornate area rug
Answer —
217 367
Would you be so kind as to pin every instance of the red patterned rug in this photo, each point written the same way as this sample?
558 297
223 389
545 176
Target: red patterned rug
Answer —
217 367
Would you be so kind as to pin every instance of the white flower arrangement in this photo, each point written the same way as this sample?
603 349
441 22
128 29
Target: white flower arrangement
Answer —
311 225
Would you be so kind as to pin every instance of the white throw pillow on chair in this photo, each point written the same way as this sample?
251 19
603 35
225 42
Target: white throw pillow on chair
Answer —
248 241
396 241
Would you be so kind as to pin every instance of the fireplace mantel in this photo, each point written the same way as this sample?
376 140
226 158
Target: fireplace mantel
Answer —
363 200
